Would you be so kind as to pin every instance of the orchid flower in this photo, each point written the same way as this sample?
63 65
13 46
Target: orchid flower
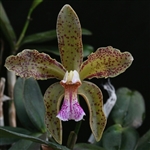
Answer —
105 62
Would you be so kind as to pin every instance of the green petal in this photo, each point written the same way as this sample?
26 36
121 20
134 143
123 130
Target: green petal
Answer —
52 99
94 99
69 38
31 63
105 62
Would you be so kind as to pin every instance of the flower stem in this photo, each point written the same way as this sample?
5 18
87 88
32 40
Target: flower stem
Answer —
73 136
2 86
23 31
33 6
11 79
77 128
71 140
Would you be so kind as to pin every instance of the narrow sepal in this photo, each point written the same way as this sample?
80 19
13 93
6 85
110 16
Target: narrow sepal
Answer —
94 99
31 63
52 99
105 62
69 38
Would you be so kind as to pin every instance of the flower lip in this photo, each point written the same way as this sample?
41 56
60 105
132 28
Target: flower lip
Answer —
71 77
71 109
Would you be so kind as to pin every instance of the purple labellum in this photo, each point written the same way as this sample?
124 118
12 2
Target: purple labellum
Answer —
71 109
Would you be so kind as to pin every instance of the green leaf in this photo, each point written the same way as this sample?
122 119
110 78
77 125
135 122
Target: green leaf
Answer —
21 144
86 32
125 111
34 146
34 103
20 105
11 134
48 49
144 142
28 99
6 27
88 49
34 5
118 138
26 144
39 37
8 140
84 146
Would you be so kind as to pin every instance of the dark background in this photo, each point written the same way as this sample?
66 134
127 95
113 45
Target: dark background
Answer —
122 24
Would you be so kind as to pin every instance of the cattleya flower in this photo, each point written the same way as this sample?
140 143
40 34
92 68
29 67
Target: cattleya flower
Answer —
105 62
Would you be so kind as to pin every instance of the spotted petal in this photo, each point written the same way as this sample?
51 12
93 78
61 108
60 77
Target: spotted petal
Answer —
31 63
69 38
93 97
52 99
105 62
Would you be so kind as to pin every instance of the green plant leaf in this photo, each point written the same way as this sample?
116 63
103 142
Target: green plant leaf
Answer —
144 142
6 27
34 103
34 5
39 37
26 144
28 99
20 105
86 32
118 138
88 49
7 140
85 146
11 134
21 144
125 111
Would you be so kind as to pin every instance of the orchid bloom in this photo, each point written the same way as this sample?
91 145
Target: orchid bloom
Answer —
105 62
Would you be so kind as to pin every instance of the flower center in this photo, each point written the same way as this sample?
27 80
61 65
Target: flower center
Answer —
71 78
